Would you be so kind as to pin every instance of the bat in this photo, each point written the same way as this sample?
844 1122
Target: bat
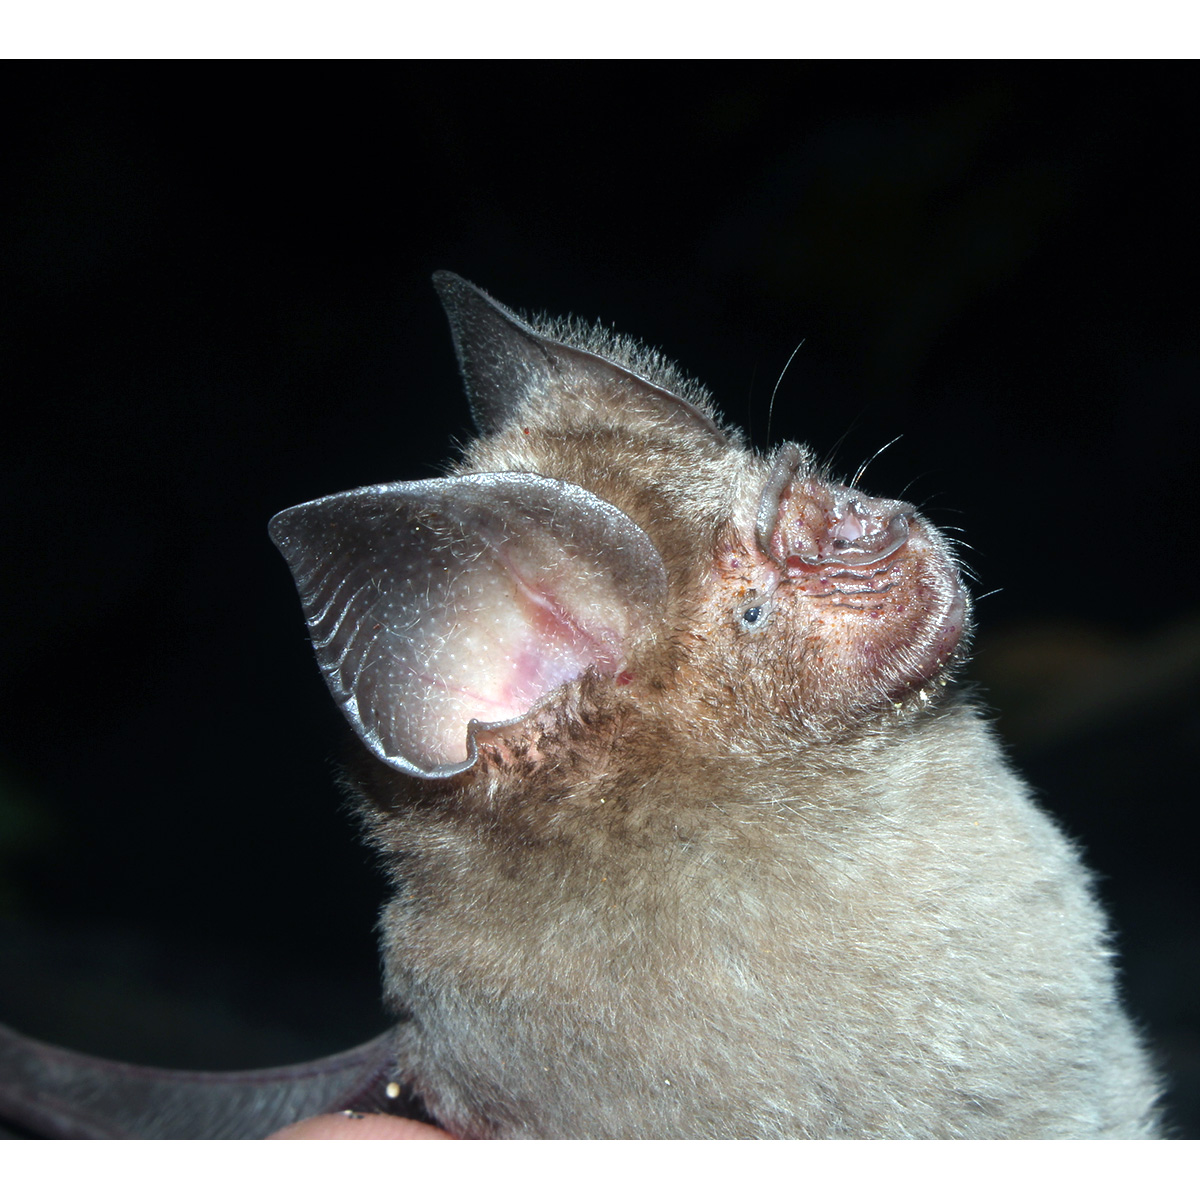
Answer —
691 830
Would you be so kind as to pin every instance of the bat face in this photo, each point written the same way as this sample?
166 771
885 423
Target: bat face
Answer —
687 834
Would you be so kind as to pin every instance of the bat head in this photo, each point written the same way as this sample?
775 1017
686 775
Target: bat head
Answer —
609 557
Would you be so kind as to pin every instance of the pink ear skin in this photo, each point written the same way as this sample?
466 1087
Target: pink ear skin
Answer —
443 602
360 1127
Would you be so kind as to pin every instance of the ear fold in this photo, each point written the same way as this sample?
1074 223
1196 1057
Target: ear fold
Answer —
437 605
503 360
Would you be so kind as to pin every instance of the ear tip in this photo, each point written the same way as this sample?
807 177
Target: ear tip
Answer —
454 291
469 307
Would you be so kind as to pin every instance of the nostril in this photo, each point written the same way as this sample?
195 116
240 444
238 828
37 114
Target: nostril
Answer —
860 540
806 524
849 529
858 533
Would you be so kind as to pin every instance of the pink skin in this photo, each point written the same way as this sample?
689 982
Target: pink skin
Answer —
360 1127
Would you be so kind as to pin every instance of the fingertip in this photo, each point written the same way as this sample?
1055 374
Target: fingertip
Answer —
359 1127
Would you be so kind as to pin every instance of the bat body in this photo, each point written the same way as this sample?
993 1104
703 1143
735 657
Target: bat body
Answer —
690 833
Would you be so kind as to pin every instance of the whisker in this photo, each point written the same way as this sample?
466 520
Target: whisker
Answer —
775 389
912 483
861 470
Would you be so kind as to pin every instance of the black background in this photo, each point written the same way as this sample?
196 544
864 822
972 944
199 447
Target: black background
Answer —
217 304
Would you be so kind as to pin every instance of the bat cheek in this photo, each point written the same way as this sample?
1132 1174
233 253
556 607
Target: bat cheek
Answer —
845 639
899 641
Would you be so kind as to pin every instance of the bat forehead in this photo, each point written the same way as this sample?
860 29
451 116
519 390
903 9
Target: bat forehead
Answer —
680 489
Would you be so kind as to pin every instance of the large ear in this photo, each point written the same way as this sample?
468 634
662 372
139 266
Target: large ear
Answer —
503 360
448 602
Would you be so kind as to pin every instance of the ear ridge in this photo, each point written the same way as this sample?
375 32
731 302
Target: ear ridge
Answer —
503 360
442 605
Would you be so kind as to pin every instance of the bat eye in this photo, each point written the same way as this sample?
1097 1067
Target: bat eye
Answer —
753 615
